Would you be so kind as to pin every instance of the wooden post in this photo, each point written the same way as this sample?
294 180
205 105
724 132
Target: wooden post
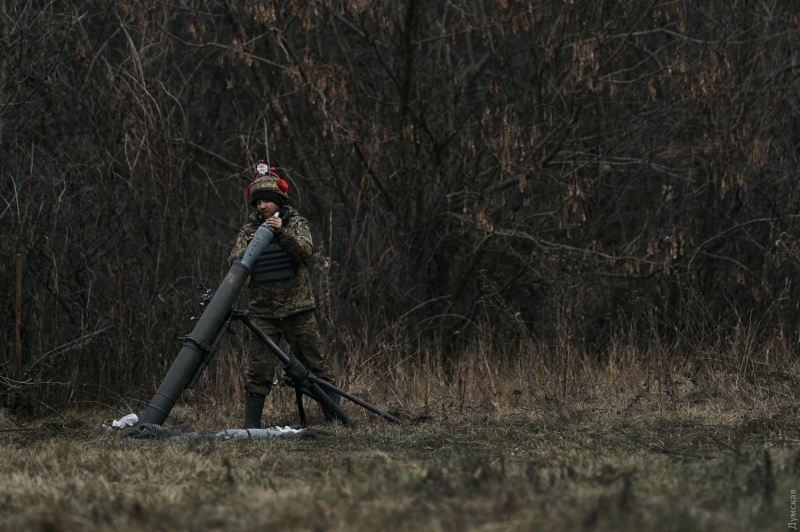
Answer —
18 308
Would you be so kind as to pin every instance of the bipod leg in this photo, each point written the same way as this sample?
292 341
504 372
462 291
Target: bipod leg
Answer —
300 410
247 318
356 400
322 398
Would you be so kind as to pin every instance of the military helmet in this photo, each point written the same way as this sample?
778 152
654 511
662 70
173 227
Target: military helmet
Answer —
268 186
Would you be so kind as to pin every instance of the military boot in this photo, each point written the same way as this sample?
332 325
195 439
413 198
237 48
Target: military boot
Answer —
330 415
253 408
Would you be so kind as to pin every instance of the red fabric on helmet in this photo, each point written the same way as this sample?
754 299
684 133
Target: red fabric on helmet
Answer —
262 170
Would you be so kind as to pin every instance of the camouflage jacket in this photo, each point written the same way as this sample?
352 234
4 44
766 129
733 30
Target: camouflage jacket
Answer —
281 298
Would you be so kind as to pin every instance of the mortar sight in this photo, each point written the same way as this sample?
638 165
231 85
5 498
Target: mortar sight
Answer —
205 299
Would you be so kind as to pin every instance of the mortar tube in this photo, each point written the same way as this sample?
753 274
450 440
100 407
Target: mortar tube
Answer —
205 331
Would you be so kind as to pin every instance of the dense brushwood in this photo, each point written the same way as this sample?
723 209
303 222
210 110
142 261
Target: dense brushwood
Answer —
574 175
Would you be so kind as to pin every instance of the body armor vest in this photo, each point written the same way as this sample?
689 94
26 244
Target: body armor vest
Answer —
274 264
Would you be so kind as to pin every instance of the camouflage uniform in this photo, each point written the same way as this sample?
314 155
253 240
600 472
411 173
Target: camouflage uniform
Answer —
284 309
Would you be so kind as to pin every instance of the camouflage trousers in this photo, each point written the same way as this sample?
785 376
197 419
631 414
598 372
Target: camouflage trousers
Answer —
300 332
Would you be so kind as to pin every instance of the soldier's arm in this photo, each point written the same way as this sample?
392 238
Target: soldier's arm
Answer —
295 239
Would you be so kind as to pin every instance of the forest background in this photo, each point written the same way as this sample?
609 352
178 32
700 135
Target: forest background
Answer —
561 186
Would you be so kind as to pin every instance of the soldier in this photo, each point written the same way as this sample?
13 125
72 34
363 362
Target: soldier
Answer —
280 291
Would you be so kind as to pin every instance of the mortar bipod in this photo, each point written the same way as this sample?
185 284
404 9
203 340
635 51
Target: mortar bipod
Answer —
305 381
298 394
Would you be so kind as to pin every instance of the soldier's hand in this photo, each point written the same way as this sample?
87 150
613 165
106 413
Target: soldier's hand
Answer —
275 223
250 236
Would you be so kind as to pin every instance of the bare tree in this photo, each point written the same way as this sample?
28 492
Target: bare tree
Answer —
586 159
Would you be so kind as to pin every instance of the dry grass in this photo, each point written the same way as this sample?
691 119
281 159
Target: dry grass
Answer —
624 449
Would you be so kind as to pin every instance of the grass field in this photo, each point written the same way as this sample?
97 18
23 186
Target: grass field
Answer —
642 462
